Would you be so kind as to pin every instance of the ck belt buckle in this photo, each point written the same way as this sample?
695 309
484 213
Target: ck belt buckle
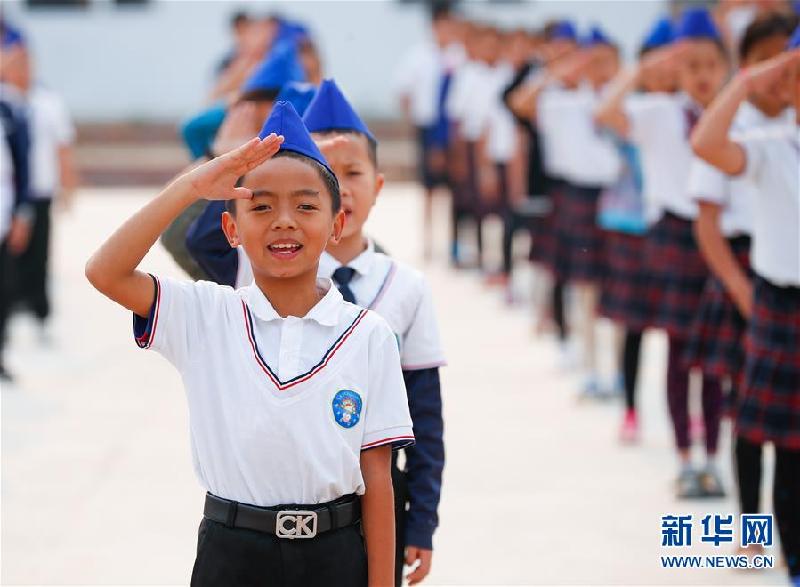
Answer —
296 524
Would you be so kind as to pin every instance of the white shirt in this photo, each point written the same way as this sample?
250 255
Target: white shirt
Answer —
398 293
419 76
279 408
6 188
471 98
659 128
501 143
51 129
773 165
735 195
582 154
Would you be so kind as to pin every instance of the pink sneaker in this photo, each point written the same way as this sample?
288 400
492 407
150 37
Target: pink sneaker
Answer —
629 432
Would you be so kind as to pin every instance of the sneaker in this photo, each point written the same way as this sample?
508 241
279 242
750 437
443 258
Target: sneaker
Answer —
591 389
629 433
687 485
711 484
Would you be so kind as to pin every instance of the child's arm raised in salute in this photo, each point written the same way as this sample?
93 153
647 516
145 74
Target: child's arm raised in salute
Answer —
710 139
112 269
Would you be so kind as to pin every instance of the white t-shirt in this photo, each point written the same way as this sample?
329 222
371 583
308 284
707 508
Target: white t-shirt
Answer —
735 195
419 76
583 155
51 129
773 165
397 292
659 127
279 408
400 294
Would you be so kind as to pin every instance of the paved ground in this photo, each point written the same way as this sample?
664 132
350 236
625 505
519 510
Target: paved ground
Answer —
97 486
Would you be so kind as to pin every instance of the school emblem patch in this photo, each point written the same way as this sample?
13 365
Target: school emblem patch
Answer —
346 408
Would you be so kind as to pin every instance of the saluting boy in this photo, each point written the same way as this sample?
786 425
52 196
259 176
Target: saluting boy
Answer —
398 293
296 397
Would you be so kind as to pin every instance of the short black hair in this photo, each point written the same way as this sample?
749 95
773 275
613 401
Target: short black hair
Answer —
260 95
372 144
238 18
327 177
762 28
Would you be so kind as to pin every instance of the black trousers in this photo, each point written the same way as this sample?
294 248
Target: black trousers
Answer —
400 487
235 556
6 292
32 264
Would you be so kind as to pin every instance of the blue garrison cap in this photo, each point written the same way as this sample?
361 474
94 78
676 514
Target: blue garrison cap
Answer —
661 34
596 36
696 23
11 37
284 120
794 42
565 30
292 31
298 94
330 110
280 67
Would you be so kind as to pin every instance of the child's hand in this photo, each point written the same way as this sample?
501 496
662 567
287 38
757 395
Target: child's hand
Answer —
420 560
329 146
216 180
665 57
766 75
239 126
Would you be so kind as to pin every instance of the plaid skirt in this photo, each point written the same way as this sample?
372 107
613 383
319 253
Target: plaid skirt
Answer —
678 275
624 289
578 238
769 405
716 341
543 231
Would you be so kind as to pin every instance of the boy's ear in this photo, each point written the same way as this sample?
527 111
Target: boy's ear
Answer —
338 227
229 228
380 179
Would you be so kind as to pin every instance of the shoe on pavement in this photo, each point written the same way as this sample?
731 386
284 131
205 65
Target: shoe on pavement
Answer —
687 485
629 432
711 484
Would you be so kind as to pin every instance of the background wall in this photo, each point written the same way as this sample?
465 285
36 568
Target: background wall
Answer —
153 62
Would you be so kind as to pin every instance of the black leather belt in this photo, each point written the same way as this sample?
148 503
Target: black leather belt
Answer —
285 521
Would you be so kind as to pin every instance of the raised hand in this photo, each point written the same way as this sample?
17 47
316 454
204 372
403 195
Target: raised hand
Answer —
240 125
764 76
669 56
216 180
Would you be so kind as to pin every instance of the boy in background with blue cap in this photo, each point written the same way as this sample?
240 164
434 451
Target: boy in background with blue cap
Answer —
769 407
296 397
659 125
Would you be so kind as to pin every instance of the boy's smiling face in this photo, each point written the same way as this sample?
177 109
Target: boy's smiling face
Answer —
289 221
359 182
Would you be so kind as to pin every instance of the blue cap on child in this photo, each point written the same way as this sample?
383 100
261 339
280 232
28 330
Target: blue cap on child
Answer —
330 110
280 67
596 36
298 94
11 37
564 30
284 120
662 34
696 23
794 42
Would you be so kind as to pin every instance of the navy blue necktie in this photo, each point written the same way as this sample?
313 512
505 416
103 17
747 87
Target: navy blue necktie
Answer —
342 277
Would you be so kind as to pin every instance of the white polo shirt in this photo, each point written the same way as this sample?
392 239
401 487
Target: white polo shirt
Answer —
502 142
773 166
397 292
585 156
659 127
400 294
51 129
419 76
279 408
556 145
735 195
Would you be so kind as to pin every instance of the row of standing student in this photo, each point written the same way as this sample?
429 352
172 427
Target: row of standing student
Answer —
320 448
645 232
38 170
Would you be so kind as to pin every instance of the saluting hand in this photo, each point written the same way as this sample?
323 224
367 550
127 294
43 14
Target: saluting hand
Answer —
241 123
773 74
216 180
